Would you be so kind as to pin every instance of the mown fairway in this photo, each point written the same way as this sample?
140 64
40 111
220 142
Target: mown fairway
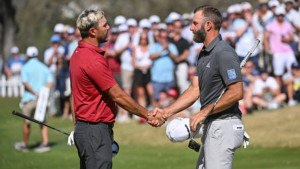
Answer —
275 144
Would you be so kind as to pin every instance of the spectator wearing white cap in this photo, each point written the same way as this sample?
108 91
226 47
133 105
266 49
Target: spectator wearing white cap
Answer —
119 20
13 70
246 34
123 47
154 20
133 31
272 4
51 56
172 17
145 25
278 36
34 75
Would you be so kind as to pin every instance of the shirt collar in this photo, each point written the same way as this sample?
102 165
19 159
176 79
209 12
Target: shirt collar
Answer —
212 44
82 44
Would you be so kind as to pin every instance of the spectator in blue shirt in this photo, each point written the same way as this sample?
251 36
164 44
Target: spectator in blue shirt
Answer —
34 75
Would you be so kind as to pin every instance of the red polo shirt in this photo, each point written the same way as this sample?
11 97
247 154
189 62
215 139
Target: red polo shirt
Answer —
90 76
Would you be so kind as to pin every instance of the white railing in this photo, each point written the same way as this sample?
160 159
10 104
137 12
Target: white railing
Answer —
11 87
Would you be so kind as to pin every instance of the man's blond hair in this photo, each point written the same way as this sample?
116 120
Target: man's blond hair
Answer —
87 19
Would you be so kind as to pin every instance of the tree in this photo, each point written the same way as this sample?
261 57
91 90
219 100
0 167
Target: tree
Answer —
8 27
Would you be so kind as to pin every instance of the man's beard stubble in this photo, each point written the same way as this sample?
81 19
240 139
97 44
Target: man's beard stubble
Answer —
200 35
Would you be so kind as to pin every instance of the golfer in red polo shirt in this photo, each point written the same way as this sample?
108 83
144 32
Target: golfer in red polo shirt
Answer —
94 94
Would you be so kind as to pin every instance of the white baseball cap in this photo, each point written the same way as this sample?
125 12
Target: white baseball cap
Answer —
162 26
131 22
178 130
120 20
154 19
14 49
145 23
123 28
246 6
173 16
32 51
59 28
279 10
272 3
286 1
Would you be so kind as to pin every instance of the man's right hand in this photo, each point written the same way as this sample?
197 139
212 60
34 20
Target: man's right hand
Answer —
157 117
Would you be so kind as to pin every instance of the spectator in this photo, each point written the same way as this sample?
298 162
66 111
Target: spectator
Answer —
266 92
250 75
111 56
34 75
278 35
292 81
133 31
293 16
181 60
145 25
246 33
123 47
51 56
226 31
186 33
162 70
142 63
13 70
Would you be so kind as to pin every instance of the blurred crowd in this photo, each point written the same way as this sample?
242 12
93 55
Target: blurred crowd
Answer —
153 60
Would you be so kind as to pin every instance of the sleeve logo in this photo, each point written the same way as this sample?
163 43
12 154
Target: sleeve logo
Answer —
231 74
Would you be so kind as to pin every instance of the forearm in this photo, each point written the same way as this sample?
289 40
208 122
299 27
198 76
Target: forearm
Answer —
125 101
229 98
184 101
28 88
155 55
184 55
72 109
130 105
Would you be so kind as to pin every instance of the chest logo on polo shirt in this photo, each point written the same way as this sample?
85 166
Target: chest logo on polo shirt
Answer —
231 74
208 65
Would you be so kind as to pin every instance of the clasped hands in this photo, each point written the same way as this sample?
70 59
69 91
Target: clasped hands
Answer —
157 118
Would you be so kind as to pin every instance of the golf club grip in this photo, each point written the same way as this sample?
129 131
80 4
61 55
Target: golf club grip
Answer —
249 53
36 121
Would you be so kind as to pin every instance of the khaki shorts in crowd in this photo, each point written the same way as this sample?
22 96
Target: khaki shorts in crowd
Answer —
127 78
28 109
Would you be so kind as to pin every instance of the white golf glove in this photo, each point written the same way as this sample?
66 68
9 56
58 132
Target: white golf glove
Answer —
246 139
71 139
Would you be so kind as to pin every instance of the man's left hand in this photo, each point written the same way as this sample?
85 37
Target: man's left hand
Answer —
195 119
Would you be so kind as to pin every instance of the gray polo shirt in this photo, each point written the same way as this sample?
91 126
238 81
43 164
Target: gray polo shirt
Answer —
218 66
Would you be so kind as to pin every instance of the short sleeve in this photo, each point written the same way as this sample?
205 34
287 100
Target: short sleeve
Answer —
100 74
173 49
229 67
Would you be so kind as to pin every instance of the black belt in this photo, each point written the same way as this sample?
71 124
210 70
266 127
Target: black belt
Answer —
111 125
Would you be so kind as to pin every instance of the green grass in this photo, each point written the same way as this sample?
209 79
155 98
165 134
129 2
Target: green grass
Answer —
272 146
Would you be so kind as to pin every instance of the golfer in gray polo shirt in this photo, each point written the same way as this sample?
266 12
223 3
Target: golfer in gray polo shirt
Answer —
218 67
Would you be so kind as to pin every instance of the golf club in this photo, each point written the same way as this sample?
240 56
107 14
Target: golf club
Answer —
192 142
36 121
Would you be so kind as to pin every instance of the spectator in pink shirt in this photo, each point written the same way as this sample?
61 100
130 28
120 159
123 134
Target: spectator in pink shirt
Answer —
278 35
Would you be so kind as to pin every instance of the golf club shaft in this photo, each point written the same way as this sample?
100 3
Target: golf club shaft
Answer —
36 121
241 66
